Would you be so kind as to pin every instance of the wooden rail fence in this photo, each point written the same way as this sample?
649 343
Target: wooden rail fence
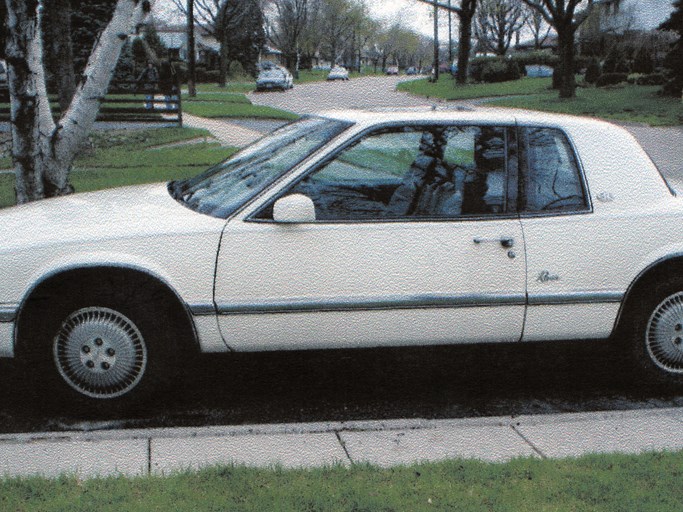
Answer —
126 102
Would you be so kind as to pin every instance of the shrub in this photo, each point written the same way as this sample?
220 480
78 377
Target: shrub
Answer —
540 58
494 69
236 71
651 79
582 62
593 71
633 78
611 79
643 62
615 62
207 75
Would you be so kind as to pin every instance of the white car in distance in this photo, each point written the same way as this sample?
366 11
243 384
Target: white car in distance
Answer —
349 230
338 73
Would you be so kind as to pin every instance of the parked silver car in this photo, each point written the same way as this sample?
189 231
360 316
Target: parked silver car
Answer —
274 78
338 73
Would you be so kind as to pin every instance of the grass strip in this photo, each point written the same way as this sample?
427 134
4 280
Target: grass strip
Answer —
192 155
145 138
213 109
630 103
447 89
129 157
596 483
223 97
239 87
626 103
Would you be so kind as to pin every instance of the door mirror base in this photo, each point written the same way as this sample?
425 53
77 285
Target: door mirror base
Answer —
294 208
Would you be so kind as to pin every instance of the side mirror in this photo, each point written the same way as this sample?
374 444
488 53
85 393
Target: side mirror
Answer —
294 208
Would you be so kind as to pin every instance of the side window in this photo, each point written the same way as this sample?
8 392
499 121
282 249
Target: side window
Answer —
412 172
359 183
552 181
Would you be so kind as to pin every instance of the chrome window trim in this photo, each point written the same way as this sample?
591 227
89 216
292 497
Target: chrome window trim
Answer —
523 171
511 126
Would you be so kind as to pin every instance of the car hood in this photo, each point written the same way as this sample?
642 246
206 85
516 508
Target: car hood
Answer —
146 210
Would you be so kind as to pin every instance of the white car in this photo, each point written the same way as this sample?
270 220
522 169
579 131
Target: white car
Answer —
351 230
338 73
274 78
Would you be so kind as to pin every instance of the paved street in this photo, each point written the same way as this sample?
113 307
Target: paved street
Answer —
363 92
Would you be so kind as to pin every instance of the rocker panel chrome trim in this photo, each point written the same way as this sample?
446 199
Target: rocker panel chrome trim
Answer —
586 297
298 305
8 312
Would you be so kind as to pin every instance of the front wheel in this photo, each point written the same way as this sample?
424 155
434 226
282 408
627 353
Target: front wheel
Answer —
103 351
100 353
658 333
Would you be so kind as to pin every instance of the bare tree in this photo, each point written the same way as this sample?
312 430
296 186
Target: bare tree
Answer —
287 29
538 27
497 21
239 28
565 19
465 12
43 150
205 12
61 66
337 19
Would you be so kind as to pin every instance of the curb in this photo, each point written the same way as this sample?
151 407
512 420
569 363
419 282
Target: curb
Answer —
385 443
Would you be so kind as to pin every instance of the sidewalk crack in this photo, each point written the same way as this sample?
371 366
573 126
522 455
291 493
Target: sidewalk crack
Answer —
149 456
527 441
343 445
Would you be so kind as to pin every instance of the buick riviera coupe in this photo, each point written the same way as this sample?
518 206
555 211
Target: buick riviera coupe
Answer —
351 230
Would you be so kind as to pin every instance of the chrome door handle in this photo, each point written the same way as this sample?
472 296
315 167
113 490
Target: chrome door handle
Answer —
505 241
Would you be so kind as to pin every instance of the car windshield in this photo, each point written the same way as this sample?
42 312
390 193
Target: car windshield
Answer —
223 188
271 73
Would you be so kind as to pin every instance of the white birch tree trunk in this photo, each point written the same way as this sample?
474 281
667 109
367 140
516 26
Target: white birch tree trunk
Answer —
43 151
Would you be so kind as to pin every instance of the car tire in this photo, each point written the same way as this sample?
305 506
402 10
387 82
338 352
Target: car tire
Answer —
105 351
656 332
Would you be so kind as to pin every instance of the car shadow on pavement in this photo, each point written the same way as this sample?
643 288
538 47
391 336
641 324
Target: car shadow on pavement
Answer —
369 384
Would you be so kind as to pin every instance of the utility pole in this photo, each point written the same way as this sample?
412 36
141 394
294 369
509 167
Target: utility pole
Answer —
191 68
436 43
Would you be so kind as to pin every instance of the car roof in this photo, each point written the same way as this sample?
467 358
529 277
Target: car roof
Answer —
465 114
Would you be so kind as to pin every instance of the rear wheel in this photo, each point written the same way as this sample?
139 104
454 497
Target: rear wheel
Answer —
657 333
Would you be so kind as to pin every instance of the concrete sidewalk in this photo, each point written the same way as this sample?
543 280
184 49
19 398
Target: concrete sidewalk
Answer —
227 133
382 443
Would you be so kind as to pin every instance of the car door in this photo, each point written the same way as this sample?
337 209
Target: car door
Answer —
570 249
416 241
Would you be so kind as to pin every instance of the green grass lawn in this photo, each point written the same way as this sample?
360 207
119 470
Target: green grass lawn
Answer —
226 104
238 87
229 109
131 157
631 103
595 483
447 89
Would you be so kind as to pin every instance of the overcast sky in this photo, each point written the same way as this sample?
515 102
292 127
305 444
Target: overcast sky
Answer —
415 14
